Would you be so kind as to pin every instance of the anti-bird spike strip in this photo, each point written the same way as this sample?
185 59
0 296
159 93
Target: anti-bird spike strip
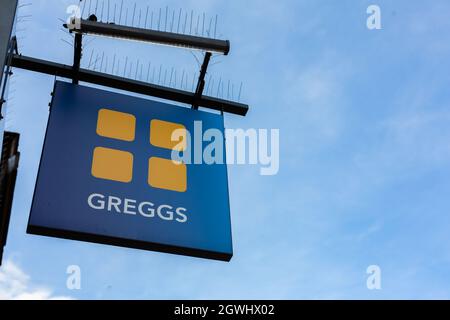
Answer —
170 21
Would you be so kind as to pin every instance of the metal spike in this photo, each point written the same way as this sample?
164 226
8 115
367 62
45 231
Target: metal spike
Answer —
240 91
134 13
115 11
67 42
139 23
84 7
173 21
178 25
215 27
90 59
24 5
148 71
103 7
101 63
159 19
114 64
90 5
165 23
203 24
182 79
198 22
171 75
137 68
146 17
218 87
212 84
118 67
185 23
151 21
210 26
95 62
208 83
107 19
196 59
192 16
125 68
120 14
187 80
175 78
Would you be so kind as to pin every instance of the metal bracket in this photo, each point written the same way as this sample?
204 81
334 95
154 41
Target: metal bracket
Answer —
107 80
201 81
78 49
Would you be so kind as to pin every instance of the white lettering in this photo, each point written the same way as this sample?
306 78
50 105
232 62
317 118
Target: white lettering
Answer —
148 213
182 218
100 204
129 205
114 202
145 209
167 214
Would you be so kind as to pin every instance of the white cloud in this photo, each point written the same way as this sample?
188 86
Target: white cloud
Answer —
15 284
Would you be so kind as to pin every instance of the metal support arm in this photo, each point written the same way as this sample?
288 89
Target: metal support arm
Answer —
60 70
201 80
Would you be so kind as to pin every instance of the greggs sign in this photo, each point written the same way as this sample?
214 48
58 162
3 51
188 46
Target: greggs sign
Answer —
107 175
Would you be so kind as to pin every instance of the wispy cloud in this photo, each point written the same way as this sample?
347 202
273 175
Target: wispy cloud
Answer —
15 284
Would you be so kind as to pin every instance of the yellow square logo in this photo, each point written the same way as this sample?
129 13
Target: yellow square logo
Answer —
167 175
116 125
161 133
117 165
110 164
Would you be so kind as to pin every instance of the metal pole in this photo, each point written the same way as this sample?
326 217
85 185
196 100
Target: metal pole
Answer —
77 56
121 83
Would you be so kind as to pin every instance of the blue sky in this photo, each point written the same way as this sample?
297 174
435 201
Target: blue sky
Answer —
364 164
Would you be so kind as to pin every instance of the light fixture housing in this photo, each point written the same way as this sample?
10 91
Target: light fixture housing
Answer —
93 27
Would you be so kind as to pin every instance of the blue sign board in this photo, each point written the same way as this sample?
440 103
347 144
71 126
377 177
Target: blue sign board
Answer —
107 176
